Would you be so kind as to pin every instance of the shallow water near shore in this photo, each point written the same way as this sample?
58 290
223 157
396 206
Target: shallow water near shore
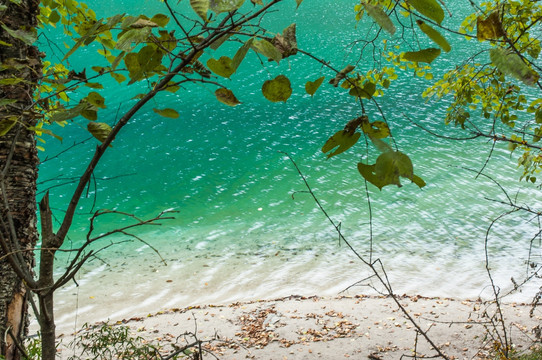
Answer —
246 229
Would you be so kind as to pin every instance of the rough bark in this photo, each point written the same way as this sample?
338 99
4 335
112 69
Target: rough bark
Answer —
18 172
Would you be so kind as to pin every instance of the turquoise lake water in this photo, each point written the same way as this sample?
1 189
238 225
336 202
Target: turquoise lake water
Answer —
238 233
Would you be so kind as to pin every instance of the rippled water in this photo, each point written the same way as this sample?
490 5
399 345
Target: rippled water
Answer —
240 234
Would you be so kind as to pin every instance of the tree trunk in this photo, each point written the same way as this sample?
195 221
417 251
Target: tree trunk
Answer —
18 168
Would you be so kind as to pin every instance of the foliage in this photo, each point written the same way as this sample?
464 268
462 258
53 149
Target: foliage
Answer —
111 342
33 348
493 92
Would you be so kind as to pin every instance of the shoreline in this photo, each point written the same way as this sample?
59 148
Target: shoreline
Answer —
358 326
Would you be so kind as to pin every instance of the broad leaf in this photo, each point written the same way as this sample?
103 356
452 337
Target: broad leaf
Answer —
93 85
489 28
168 113
67 114
434 35
278 89
227 97
425 55
312 86
222 67
382 146
54 17
380 17
221 40
200 7
89 34
510 63
365 92
119 77
376 129
160 20
136 36
240 54
342 140
96 99
99 130
90 114
267 49
429 8
389 167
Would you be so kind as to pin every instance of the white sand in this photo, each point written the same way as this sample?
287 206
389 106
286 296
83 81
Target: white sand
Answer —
357 327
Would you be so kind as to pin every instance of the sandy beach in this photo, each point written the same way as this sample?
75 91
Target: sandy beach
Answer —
360 327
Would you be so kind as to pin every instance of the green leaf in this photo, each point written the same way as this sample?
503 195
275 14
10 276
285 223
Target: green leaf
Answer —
368 173
119 77
220 6
389 167
90 114
137 36
54 17
222 67
425 55
132 64
11 81
418 181
227 97
267 49
28 37
221 40
509 63
380 17
489 28
94 85
538 115
99 130
200 7
89 34
240 54
96 99
341 75
7 124
169 113
382 146
312 86
434 35
67 114
343 140
365 92
376 129
278 89
149 58
160 20
4 102
429 8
